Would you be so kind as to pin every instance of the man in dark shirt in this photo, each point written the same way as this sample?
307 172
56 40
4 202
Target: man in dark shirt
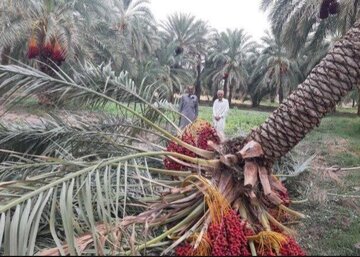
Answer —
188 107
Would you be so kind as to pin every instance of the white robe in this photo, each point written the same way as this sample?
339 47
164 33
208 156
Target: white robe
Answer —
220 108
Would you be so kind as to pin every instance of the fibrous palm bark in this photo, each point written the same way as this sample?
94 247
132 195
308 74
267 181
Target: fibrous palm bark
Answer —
326 84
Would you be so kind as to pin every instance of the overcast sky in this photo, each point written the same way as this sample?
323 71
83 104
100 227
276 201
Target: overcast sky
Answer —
219 14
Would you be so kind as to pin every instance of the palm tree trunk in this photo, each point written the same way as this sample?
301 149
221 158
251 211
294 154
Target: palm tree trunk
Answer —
324 87
255 100
272 92
333 109
44 98
225 87
198 81
257 96
272 97
215 92
171 96
231 88
281 93
353 16
5 55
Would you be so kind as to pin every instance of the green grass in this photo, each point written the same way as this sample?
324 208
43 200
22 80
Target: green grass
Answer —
334 226
347 109
343 136
331 230
237 121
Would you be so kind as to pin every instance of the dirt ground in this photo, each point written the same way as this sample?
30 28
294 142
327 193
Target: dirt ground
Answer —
18 116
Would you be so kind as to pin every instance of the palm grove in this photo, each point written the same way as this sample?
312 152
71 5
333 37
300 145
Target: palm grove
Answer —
85 187
181 49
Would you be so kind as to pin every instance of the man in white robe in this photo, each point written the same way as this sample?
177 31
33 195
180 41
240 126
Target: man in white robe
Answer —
220 110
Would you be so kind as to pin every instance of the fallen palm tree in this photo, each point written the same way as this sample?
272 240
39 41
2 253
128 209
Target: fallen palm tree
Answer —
209 199
203 212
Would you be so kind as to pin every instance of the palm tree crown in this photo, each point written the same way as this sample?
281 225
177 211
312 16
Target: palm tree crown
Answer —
229 53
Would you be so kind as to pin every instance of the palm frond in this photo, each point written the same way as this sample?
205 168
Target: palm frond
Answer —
14 32
77 195
34 81
72 136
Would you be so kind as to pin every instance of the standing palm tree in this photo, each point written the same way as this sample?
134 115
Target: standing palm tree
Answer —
294 21
46 24
13 26
229 54
50 34
280 72
135 27
169 73
94 20
190 37
52 30
256 73
307 19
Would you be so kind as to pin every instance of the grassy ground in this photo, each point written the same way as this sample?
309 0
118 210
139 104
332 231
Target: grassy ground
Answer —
333 206
334 196
238 121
